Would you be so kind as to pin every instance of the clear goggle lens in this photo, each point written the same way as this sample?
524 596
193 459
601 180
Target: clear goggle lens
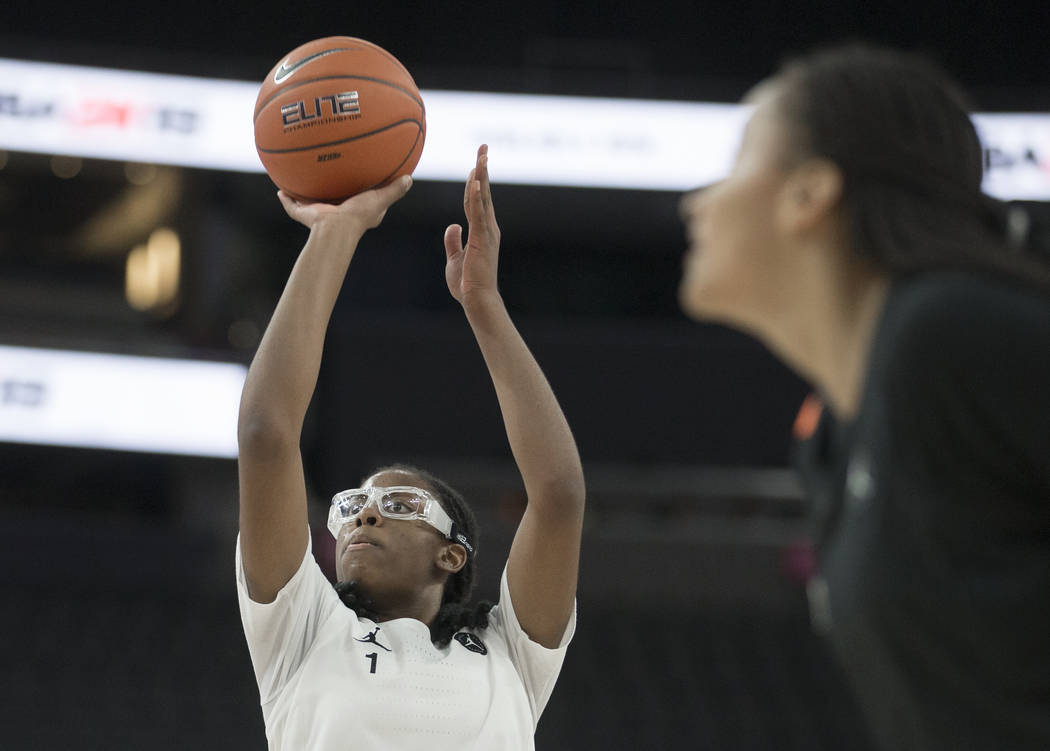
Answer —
395 502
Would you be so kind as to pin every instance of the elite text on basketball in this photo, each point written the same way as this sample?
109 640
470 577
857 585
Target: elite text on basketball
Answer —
333 105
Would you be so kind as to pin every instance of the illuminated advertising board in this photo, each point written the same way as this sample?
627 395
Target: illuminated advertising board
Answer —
539 140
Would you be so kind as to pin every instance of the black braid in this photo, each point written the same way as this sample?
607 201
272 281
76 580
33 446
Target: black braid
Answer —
455 612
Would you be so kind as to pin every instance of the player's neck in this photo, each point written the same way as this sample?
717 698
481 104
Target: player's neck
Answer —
421 605
827 334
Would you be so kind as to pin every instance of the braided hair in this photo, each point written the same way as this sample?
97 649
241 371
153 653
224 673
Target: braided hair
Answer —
912 164
456 611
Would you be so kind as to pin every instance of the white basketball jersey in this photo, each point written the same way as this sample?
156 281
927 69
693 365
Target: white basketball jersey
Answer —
330 680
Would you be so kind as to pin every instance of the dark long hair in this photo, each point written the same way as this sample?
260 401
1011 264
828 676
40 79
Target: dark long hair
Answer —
456 612
912 164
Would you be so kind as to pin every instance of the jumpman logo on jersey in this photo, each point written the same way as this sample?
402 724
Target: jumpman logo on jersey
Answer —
471 642
371 639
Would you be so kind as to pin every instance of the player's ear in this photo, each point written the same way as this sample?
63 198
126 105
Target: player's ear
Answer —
811 193
451 557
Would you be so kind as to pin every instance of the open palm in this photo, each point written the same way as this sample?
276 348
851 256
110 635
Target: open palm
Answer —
362 212
470 268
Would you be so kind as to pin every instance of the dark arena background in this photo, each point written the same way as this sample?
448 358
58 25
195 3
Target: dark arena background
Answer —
120 626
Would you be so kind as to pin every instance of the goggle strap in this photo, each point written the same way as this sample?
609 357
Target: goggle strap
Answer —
456 536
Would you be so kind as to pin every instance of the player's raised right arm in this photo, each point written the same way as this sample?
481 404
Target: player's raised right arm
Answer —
281 382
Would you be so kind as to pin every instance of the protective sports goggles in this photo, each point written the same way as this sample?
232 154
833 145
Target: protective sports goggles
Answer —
394 502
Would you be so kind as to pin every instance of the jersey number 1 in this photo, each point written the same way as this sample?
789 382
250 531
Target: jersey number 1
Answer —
372 657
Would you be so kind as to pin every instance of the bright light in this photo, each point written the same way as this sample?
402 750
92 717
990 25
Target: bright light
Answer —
151 279
121 402
535 140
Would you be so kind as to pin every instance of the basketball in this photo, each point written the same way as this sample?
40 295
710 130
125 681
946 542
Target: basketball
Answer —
338 116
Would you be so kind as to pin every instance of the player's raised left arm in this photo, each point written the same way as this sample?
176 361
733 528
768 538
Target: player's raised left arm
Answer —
544 557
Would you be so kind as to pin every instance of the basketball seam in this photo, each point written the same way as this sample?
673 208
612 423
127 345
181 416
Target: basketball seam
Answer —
376 185
379 49
397 62
284 89
418 123
402 164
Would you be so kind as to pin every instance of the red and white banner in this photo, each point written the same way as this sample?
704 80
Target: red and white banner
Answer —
539 140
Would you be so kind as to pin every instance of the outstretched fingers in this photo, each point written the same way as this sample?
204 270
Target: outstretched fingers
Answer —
290 204
477 199
467 189
389 194
482 172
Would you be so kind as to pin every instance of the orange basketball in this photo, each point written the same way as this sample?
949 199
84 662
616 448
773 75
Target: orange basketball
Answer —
337 116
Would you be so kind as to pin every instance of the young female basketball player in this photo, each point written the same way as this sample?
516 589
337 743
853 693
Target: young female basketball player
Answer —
852 237
395 658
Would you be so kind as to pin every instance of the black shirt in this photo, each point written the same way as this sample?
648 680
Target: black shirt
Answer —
932 514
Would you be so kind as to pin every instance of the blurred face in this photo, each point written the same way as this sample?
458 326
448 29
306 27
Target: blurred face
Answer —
388 558
734 242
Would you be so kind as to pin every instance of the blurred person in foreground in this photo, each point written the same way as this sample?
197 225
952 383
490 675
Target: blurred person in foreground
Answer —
394 656
852 237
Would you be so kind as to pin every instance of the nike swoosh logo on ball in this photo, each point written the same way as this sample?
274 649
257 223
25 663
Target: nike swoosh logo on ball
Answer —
285 70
